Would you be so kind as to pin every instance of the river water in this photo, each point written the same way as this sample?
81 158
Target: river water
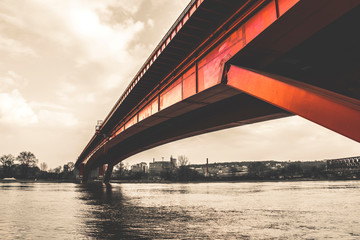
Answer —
256 210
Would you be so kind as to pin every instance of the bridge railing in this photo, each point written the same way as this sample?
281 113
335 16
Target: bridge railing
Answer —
187 13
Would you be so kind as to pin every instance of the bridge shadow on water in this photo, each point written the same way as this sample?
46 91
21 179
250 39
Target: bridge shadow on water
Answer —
109 214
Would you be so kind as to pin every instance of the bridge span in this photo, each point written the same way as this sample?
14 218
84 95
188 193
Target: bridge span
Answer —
227 63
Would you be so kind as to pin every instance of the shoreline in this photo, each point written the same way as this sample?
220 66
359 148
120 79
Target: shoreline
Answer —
234 181
169 182
39 180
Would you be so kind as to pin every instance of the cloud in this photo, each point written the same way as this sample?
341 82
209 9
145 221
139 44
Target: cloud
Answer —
86 98
150 22
86 22
90 33
129 6
47 105
67 87
56 118
15 48
9 18
112 81
14 109
69 92
12 80
66 91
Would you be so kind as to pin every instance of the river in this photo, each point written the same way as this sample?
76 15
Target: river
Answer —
249 210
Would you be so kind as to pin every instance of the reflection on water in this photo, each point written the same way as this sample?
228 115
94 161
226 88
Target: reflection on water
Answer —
111 216
272 210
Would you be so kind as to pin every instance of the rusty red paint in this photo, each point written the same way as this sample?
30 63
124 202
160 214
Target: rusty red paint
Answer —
173 94
155 106
260 21
189 83
148 110
211 66
285 5
331 110
179 27
186 17
193 9
173 34
121 129
131 122
144 113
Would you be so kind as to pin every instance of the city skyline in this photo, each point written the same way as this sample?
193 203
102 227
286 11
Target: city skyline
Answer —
66 64
207 161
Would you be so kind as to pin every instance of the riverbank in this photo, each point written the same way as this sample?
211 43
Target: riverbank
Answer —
167 181
230 181
9 180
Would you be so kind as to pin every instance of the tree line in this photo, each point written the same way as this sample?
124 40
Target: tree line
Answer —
25 166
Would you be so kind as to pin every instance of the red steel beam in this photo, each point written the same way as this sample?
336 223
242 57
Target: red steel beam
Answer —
331 110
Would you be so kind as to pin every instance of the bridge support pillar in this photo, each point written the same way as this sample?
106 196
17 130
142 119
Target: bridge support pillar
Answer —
108 173
85 174
328 109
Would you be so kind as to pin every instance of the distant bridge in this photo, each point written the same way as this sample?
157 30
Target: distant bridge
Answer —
227 63
343 164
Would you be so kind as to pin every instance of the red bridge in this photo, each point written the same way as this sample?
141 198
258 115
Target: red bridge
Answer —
226 63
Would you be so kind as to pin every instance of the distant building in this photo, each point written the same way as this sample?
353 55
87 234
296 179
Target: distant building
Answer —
158 167
140 167
241 171
201 171
221 170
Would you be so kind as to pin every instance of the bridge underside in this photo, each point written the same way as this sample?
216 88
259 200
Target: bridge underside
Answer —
217 108
306 63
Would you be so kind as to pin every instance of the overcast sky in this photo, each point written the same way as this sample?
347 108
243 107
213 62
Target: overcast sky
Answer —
65 63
